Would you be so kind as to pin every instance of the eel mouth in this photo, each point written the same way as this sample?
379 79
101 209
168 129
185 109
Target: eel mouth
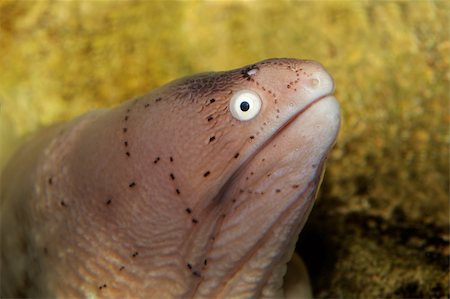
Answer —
283 189
292 119
233 179
282 128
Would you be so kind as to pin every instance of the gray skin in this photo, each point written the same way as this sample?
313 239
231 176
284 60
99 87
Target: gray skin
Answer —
169 195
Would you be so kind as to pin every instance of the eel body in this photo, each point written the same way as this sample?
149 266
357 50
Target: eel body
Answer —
198 189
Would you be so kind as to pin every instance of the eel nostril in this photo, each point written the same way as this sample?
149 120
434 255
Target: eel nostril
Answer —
314 82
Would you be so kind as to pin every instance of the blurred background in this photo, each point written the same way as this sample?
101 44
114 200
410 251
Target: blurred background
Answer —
380 228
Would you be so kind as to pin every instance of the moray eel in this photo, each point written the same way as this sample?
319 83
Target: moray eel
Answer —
198 189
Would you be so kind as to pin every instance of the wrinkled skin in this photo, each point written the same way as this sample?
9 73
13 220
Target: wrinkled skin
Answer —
169 195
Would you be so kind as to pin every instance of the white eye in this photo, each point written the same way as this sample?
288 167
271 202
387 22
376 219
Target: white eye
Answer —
245 105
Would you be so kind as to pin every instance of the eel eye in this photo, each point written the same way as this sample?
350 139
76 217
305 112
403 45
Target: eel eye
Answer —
245 105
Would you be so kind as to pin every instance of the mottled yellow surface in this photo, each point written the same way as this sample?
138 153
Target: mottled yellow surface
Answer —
390 61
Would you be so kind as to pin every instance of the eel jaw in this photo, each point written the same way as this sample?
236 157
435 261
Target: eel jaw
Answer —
267 210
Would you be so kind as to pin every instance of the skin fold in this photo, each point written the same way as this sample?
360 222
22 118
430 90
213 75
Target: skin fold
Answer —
169 195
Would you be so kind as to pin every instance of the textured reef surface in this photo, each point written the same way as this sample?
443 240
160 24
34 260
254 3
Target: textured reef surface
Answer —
380 227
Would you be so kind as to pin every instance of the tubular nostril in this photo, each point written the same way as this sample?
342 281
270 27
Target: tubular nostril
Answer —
319 78
321 82
314 83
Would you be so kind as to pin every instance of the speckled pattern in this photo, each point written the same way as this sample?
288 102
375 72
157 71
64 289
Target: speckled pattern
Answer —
384 205
152 198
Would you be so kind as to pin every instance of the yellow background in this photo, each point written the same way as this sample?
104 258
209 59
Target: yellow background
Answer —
390 61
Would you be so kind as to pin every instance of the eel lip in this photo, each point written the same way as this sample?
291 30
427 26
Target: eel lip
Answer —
300 112
291 120
229 182
328 95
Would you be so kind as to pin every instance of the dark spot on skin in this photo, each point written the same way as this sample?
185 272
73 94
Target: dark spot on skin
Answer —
172 176
210 118
278 191
212 101
121 268
156 160
102 286
50 181
263 159
189 266
188 210
126 118
132 185
252 137
212 138
295 186
213 238
314 165
135 254
195 221
205 262
206 173
234 200
125 143
125 130
236 155
252 173
171 159
108 202
63 203
158 99
146 105
127 153
241 191
178 191
196 273
128 110
45 250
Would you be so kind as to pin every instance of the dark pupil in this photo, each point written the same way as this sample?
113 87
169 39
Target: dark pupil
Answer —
245 106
